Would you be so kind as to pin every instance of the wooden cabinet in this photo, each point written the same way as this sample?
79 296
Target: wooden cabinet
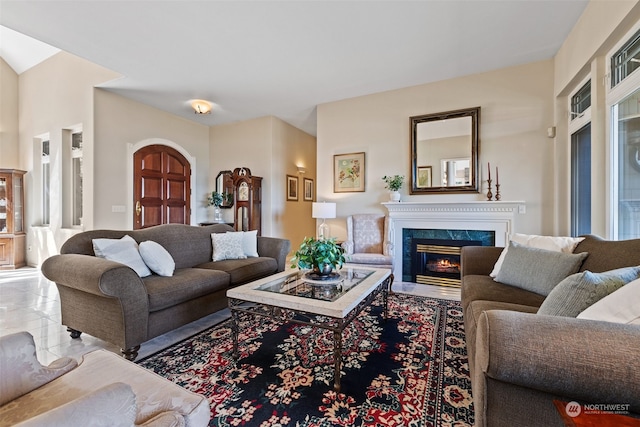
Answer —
247 203
12 234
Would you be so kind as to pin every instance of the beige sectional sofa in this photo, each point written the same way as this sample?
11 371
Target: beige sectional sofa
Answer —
521 361
103 389
109 300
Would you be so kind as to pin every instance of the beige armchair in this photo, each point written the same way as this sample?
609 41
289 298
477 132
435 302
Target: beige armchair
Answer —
103 389
368 241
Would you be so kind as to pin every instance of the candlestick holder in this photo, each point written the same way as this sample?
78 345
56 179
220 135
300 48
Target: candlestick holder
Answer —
497 191
489 193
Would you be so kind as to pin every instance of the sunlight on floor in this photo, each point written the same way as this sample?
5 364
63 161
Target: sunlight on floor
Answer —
30 302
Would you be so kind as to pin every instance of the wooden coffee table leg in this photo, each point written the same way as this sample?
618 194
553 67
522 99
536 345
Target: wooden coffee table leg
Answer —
337 358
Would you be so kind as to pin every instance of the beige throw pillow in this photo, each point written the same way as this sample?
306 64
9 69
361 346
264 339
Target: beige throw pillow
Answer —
550 243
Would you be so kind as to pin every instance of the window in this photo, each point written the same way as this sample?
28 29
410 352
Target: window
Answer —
581 181
626 60
625 125
581 101
580 130
76 177
46 181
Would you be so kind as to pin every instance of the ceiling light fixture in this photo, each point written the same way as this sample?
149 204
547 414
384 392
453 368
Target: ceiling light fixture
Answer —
200 106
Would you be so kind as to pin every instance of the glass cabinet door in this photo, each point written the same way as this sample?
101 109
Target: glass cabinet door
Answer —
18 208
3 204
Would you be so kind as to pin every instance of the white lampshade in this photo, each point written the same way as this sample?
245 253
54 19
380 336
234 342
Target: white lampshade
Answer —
323 210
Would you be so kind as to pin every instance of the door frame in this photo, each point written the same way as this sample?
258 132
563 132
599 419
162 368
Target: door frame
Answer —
132 148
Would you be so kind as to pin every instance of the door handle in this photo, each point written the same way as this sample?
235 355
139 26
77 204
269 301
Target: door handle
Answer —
138 208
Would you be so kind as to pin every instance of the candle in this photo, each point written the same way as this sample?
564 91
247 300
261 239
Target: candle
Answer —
489 169
497 178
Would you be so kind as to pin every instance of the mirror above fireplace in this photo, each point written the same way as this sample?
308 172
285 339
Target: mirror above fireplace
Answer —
444 152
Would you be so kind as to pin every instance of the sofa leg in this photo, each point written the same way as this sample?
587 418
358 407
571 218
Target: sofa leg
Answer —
74 334
131 353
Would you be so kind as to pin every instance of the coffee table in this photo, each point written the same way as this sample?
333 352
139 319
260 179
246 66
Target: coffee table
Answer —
290 296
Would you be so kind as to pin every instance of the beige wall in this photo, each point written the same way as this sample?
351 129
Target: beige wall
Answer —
271 148
122 127
8 117
55 95
516 110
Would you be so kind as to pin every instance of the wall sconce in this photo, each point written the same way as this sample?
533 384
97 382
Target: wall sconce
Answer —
200 106
302 169
324 211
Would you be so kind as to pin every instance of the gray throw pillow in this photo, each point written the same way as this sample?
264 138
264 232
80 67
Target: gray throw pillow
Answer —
579 291
537 270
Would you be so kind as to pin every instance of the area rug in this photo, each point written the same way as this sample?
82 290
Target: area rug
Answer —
408 370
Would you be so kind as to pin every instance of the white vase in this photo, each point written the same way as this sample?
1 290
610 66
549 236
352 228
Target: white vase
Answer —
394 196
217 215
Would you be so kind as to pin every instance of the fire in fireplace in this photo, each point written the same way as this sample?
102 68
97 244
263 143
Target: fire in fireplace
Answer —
437 262
432 256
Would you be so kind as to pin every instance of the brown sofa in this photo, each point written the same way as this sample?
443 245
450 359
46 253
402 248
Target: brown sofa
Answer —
520 362
110 301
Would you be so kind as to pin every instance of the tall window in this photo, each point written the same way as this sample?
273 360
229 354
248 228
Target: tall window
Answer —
46 181
580 129
76 177
625 124
581 181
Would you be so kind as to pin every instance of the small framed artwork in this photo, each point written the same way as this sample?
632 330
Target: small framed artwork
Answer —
348 172
424 177
308 189
292 187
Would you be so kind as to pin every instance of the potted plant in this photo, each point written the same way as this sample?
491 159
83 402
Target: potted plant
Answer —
321 256
393 184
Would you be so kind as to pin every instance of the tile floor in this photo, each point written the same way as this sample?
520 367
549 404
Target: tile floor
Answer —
30 302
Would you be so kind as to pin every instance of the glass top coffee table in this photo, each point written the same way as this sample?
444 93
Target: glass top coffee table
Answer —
291 296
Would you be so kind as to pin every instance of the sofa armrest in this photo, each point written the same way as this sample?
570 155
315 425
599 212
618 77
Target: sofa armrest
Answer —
478 260
95 275
121 297
21 370
592 361
275 248
111 405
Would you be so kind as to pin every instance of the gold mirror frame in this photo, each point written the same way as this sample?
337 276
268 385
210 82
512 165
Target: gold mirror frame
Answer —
423 181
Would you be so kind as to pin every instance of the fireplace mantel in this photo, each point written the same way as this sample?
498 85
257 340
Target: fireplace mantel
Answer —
499 217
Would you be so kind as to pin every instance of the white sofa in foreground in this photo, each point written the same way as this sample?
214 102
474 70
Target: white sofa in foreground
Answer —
103 389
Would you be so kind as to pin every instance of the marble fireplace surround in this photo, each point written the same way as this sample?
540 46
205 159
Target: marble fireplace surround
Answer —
499 217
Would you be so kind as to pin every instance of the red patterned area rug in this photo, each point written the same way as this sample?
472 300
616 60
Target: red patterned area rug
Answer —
408 370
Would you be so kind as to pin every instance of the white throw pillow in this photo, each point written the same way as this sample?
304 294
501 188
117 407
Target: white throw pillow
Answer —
157 258
620 306
227 246
550 243
124 251
250 243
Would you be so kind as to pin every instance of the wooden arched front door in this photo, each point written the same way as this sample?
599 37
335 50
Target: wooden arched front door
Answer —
161 187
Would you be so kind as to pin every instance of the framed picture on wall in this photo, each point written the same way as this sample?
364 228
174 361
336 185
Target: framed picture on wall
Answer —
424 177
348 172
308 189
292 187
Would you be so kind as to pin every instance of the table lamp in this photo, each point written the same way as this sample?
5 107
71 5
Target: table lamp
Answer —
323 210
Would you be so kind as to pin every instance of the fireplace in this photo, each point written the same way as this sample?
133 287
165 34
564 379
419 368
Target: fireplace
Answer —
490 222
432 256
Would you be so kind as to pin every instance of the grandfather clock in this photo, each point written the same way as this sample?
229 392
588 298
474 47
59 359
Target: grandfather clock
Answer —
247 200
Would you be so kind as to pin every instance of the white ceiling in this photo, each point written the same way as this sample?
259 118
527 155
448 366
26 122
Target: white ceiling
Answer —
283 58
